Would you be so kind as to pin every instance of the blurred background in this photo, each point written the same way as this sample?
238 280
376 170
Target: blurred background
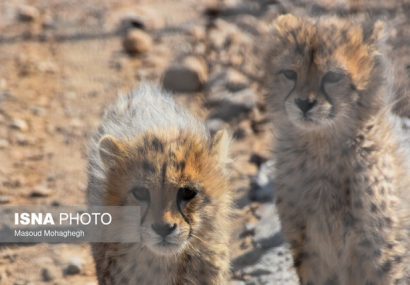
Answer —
62 62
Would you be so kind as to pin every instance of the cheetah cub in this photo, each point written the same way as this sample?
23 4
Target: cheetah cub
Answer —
343 181
152 153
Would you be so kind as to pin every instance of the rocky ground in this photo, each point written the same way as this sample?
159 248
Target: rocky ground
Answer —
62 61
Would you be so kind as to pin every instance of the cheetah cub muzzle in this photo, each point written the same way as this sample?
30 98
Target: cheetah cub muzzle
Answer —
150 152
342 171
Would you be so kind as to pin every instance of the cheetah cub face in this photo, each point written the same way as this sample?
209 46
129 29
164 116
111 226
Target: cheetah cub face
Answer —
176 180
318 69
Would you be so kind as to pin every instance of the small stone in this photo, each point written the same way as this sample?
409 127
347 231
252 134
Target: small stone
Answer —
38 111
190 76
235 81
27 13
263 185
132 21
228 106
3 143
137 42
74 267
47 67
48 21
21 139
215 125
5 199
3 84
21 282
14 182
47 275
19 124
141 18
198 32
41 191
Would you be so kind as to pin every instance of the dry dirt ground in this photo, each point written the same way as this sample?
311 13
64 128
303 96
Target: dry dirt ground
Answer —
62 61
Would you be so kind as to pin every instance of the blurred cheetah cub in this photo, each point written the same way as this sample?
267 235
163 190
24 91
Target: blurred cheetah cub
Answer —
343 182
150 152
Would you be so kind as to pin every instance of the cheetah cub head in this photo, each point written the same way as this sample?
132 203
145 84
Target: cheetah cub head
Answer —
178 180
323 72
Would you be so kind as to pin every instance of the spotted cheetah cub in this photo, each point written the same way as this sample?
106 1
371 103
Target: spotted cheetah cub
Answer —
342 177
152 153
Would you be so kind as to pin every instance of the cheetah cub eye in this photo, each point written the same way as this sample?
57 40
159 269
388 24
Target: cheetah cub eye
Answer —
333 77
141 194
186 194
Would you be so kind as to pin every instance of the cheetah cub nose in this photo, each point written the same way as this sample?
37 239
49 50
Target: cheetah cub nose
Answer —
305 104
164 229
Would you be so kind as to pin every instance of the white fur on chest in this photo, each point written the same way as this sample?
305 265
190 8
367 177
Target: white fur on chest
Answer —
139 266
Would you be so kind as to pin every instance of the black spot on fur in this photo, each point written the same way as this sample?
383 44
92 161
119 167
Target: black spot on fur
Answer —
332 281
386 267
358 204
148 166
350 220
377 253
365 243
164 173
157 145
398 259
369 191
388 221
300 258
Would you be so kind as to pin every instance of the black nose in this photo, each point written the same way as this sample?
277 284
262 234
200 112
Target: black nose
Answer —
163 229
305 104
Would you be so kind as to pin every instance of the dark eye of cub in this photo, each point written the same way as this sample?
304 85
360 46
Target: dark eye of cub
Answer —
140 193
186 194
290 74
333 77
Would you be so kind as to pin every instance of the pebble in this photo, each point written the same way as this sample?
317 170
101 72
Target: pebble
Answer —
189 76
143 19
47 275
132 21
5 199
198 32
47 67
3 84
215 125
228 106
41 191
263 184
235 81
48 21
27 13
137 42
74 267
4 143
22 139
19 124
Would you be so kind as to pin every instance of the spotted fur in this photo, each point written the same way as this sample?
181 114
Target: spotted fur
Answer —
342 175
148 146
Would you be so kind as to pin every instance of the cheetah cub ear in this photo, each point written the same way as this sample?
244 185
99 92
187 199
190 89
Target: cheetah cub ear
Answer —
111 150
220 145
